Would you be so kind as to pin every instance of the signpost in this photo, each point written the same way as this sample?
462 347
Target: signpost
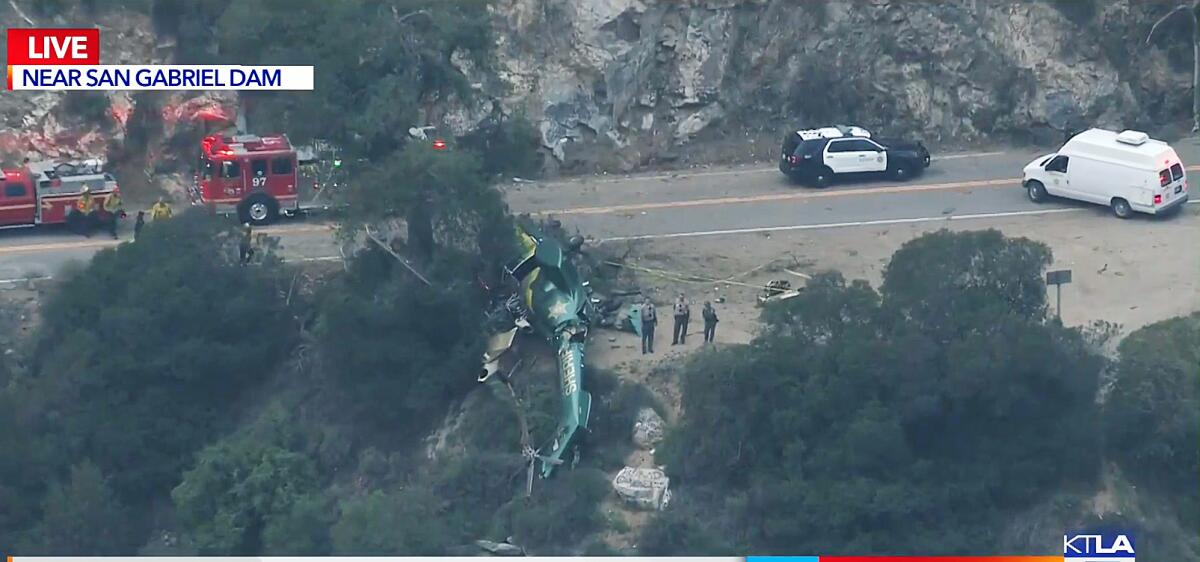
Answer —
1058 279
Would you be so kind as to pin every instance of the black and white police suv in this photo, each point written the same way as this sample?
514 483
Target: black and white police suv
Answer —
818 156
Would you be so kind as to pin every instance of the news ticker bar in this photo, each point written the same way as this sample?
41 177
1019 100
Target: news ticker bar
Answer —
543 558
116 77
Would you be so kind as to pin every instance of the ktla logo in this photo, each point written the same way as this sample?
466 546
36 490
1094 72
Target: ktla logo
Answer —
52 47
1114 546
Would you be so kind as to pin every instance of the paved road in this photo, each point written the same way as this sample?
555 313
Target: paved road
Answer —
43 252
719 202
728 202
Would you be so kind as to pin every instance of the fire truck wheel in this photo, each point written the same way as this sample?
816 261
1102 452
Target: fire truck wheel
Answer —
258 210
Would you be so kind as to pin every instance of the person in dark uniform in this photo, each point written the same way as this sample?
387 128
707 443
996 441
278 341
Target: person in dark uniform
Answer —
138 224
710 322
245 248
649 321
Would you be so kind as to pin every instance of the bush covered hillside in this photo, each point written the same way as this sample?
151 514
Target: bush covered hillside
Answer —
924 417
912 419
166 397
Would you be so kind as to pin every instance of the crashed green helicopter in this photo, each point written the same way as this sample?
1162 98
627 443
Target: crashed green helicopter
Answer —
552 301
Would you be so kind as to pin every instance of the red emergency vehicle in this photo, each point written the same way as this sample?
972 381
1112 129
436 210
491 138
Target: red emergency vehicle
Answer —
252 174
45 192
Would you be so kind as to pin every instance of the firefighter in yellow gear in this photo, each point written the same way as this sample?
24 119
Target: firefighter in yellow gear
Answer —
160 210
83 216
86 203
112 211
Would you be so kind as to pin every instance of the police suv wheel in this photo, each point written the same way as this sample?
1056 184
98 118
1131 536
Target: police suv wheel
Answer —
1121 208
1036 191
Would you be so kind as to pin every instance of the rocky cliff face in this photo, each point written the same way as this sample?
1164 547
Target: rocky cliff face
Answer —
639 79
616 84
77 125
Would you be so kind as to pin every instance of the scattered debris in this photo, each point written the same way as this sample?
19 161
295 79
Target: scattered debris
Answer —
644 488
778 290
505 548
648 430
798 274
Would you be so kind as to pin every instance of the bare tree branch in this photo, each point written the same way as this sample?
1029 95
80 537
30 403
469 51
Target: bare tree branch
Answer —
1154 28
398 257
400 18
17 9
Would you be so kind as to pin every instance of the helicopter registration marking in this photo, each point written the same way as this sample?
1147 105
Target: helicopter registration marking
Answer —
570 384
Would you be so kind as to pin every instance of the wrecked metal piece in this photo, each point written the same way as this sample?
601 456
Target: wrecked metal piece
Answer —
500 548
778 290
644 488
497 347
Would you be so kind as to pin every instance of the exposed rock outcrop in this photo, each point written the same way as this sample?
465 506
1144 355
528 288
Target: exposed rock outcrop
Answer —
637 78
643 488
614 84
648 429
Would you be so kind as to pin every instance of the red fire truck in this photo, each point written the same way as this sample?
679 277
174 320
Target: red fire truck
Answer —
254 175
45 192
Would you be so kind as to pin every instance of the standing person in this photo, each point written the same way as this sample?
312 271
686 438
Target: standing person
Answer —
137 226
682 315
649 320
112 211
160 210
245 249
710 322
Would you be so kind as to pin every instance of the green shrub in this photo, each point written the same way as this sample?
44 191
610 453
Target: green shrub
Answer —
859 419
510 147
142 354
561 512
398 524
1152 411
242 496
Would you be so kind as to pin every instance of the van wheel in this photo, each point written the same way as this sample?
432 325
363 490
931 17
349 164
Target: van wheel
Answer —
1037 191
258 210
822 177
1121 208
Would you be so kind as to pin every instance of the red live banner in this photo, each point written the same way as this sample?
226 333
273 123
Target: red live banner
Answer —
53 46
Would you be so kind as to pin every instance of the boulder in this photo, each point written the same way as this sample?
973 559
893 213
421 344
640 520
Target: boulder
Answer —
643 488
648 429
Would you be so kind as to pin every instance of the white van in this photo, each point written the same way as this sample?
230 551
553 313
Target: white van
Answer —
1127 171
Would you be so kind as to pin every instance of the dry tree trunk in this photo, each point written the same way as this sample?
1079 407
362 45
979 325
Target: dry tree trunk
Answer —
1195 67
1194 11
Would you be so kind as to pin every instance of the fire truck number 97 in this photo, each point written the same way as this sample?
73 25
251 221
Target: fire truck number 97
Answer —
258 181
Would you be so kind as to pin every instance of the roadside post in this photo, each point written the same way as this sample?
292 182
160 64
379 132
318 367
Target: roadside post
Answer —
1058 279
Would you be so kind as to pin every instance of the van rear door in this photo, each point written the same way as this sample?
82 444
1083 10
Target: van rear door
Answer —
1172 184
